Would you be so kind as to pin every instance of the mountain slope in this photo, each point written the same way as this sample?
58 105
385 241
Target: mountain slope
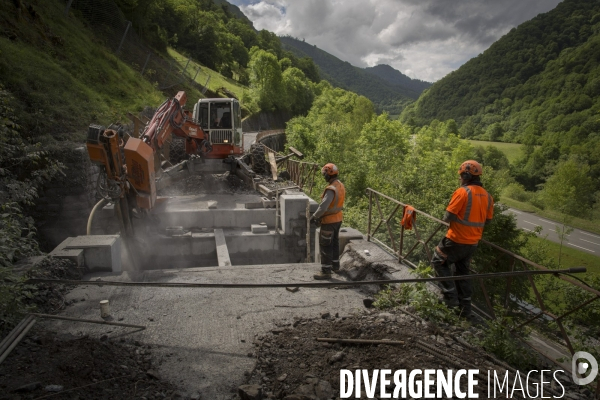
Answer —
234 10
398 79
538 85
515 73
387 90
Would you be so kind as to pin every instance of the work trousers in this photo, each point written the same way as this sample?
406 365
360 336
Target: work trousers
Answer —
329 245
447 252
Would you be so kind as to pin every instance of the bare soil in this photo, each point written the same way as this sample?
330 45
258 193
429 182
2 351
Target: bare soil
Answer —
293 365
47 364
59 366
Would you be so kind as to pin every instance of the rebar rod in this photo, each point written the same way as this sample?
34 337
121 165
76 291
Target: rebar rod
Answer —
14 333
309 284
91 321
16 341
359 341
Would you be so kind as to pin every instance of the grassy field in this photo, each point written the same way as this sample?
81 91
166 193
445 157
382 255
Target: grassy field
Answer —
571 257
511 150
216 80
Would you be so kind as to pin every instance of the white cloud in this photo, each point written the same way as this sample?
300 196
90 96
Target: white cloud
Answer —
425 39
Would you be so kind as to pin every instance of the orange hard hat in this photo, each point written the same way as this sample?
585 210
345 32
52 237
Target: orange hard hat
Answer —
470 166
330 169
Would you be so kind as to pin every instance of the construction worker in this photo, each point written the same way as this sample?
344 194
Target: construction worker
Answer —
470 209
329 216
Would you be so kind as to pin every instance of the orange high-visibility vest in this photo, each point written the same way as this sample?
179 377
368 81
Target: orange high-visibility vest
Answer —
334 211
472 206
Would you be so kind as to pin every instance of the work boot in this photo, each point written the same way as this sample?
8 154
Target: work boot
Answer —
324 274
465 310
335 266
450 302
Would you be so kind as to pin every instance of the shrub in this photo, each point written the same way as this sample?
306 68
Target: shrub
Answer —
516 191
24 168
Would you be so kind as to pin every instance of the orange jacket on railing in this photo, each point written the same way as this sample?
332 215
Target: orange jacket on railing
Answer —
408 217
473 206
334 211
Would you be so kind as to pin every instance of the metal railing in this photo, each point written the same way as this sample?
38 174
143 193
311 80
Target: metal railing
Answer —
384 227
302 174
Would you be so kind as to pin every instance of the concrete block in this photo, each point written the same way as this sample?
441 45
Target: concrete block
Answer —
291 206
222 252
259 228
267 203
101 252
75 255
253 206
212 205
219 218
348 234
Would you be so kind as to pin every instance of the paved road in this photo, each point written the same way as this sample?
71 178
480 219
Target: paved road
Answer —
249 138
578 239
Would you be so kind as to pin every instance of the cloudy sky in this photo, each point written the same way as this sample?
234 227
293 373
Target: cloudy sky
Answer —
424 39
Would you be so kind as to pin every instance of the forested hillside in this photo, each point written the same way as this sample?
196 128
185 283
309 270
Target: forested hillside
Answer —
539 85
387 88
412 87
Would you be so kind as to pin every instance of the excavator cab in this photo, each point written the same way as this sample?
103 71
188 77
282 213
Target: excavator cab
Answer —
221 120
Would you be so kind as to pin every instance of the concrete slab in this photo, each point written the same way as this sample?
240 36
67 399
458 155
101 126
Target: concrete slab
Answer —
83 242
222 252
259 228
75 255
218 211
101 252
204 335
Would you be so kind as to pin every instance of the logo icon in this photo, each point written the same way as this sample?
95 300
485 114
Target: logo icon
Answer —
580 368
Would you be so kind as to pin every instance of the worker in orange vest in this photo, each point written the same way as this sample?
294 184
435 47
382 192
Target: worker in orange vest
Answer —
470 209
329 216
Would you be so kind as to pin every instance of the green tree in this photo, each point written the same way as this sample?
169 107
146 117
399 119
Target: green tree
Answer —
298 91
570 189
266 82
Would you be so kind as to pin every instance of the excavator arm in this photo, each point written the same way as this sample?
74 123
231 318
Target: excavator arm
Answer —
170 118
130 168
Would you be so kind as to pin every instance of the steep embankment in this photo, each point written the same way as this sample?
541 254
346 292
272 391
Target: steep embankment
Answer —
388 89
62 77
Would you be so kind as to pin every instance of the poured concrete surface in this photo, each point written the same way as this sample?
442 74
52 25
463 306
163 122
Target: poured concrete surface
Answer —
212 211
204 335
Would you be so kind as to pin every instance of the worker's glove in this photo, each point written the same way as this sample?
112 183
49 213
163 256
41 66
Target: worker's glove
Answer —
315 221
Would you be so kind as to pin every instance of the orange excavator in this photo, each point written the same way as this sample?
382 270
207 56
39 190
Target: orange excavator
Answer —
134 166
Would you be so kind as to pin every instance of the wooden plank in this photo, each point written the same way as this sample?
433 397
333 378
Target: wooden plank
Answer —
273 165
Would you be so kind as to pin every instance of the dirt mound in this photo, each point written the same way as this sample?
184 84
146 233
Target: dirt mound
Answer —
49 298
292 364
67 367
